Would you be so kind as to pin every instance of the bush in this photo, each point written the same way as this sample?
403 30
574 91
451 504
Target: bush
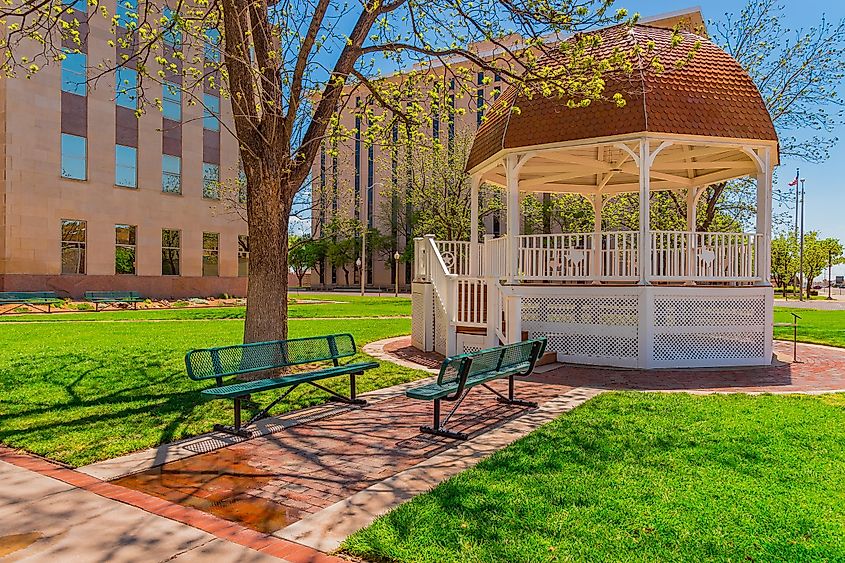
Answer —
83 307
179 304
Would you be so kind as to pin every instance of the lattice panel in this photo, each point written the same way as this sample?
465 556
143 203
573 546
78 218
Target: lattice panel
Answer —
418 328
468 343
591 345
709 311
588 310
708 346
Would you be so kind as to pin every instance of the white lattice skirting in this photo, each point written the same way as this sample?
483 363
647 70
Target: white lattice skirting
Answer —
652 327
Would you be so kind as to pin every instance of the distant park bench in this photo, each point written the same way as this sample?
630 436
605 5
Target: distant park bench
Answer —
38 300
459 374
239 359
111 298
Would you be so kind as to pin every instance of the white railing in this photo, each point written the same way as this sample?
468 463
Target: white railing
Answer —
726 256
496 257
555 257
619 256
421 260
671 255
471 302
455 255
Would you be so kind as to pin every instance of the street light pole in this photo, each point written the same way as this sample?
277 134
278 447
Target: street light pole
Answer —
396 257
829 273
801 248
363 259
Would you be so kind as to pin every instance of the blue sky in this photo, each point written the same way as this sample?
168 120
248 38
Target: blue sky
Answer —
824 204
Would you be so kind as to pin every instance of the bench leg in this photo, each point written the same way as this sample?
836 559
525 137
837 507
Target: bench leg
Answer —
235 430
338 397
510 400
438 430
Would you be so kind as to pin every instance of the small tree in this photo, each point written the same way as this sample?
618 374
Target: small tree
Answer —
303 255
785 263
818 253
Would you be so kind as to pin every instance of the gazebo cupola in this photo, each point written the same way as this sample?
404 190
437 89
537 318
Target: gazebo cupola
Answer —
644 298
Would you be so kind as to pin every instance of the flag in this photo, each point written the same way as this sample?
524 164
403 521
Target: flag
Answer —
794 182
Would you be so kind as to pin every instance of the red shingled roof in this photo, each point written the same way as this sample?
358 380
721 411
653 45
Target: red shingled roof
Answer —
709 95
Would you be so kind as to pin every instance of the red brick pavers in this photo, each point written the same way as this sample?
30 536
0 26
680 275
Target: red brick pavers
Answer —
308 467
223 529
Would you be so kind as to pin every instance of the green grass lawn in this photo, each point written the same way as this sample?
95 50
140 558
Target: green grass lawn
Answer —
642 477
815 326
79 392
311 307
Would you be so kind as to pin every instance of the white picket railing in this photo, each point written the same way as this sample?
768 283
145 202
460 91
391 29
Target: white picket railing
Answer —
726 256
471 302
670 255
496 257
619 256
555 257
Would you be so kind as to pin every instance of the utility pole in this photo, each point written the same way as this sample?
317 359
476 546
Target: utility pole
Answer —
801 248
829 273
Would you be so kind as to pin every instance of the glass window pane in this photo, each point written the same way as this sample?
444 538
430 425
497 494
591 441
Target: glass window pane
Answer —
126 88
210 112
74 157
124 251
171 101
210 180
171 174
73 247
212 45
243 255
127 11
74 74
81 5
210 254
170 250
126 166
171 33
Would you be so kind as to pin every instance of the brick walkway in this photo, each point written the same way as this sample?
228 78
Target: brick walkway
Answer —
270 482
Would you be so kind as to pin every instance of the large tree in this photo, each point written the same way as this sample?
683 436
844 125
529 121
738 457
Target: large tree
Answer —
799 73
290 67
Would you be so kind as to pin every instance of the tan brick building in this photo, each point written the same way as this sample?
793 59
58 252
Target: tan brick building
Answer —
92 198
355 184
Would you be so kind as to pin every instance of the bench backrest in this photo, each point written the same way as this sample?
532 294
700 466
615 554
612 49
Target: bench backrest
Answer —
216 363
112 294
520 357
24 295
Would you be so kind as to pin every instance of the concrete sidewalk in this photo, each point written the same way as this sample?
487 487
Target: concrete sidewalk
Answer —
42 518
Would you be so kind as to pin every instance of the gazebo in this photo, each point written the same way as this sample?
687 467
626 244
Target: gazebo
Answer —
644 298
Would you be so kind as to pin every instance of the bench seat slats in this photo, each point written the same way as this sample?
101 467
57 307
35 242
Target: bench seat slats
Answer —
24 297
247 387
437 391
113 296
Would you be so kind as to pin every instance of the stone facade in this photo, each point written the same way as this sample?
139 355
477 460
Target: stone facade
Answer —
35 197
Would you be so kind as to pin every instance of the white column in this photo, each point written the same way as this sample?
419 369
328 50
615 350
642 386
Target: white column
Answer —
595 265
764 218
645 231
512 174
692 243
475 182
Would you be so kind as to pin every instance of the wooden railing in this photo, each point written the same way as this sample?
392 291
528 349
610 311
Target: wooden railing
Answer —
555 257
619 256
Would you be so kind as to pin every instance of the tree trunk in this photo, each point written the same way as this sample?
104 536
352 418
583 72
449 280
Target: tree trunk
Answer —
268 216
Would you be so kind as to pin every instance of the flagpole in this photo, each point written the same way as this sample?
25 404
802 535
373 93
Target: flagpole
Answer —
795 183
801 251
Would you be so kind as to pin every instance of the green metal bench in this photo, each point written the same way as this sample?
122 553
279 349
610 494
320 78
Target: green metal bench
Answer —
35 299
227 361
459 374
108 298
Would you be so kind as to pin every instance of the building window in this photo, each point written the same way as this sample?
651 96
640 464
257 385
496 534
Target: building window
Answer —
73 246
243 255
124 249
74 157
210 112
126 88
171 174
212 45
74 75
210 180
170 251
171 34
127 11
81 5
125 166
242 189
479 107
171 101
210 254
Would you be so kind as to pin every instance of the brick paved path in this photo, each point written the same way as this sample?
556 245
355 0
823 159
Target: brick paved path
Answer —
273 481
270 482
